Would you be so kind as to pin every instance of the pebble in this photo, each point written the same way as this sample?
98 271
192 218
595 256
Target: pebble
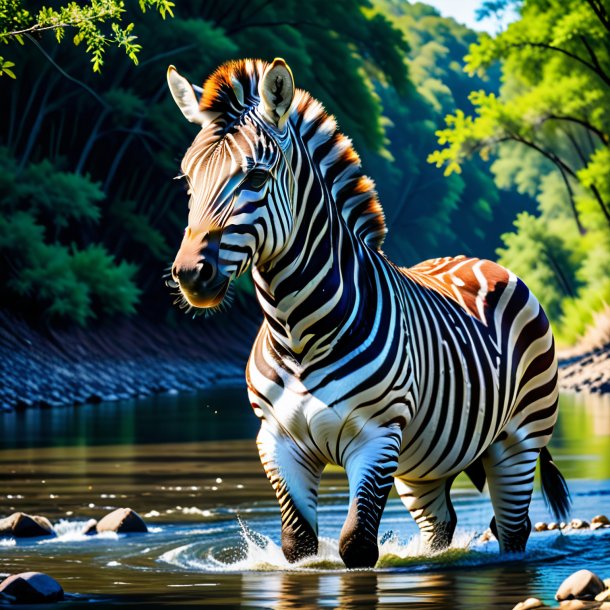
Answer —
31 588
604 596
578 604
582 585
578 524
90 527
486 536
553 526
601 519
541 526
122 521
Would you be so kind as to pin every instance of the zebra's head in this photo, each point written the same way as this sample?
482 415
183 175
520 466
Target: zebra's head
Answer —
238 173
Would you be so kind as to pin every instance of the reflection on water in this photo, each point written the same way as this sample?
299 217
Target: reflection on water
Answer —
196 493
222 412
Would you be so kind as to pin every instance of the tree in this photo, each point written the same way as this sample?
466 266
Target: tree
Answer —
97 24
550 114
119 134
428 215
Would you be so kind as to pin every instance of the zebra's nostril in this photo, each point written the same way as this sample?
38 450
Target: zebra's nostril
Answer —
175 271
206 271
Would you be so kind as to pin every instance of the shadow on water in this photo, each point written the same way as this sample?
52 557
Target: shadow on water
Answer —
189 465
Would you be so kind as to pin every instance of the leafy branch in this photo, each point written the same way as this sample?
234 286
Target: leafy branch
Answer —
98 24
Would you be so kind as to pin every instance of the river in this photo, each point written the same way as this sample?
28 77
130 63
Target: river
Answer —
188 465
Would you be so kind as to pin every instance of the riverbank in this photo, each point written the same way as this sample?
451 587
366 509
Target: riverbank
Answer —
586 366
128 358
131 358
588 372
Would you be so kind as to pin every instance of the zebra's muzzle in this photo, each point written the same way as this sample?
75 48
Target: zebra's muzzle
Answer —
204 294
196 272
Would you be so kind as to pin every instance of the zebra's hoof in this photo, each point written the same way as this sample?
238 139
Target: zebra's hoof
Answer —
358 553
298 546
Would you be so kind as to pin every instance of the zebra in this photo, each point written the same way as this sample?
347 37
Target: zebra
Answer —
405 376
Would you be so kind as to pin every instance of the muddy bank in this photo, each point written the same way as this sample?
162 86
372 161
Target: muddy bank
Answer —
43 367
130 358
587 372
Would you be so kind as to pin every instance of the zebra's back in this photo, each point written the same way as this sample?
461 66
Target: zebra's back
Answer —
485 352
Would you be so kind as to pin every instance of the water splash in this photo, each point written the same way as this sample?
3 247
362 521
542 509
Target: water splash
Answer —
72 531
8 542
248 550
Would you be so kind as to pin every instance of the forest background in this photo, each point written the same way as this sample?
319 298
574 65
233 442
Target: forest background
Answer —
490 146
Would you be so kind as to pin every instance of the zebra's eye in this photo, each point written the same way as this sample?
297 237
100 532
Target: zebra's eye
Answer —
257 178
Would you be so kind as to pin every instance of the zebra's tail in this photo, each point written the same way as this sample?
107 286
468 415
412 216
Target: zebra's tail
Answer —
554 487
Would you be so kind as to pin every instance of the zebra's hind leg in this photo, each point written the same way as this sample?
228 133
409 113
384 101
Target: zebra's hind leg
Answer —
510 468
295 477
430 506
370 465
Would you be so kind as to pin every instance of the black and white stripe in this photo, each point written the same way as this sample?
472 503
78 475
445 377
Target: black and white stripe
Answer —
399 375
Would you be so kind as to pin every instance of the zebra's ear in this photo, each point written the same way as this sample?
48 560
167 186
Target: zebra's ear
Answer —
184 96
276 91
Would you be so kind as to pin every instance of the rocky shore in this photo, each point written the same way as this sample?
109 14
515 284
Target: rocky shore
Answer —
586 366
587 372
130 358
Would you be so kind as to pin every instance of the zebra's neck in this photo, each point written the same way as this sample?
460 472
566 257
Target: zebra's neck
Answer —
312 292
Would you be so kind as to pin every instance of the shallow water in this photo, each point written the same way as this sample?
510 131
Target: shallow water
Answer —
188 464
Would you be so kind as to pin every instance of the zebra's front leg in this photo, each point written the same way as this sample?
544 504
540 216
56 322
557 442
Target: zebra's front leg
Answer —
370 466
295 477
430 506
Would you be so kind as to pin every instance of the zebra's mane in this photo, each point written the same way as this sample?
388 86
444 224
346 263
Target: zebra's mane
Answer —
233 89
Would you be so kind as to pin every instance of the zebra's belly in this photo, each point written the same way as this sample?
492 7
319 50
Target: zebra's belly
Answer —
443 440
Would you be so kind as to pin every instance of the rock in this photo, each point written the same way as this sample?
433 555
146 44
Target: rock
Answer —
90 527
21 525
122 521
579 524
529 604
32 588
582 585
601 519
578 604
486 536
553 526
596 526
604 596
541 526
563 525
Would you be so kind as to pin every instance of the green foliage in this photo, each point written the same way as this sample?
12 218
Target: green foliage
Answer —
89 158
109 284
542 255
46 273
6 67
550 128
140 230
427 215
89 21
67 196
